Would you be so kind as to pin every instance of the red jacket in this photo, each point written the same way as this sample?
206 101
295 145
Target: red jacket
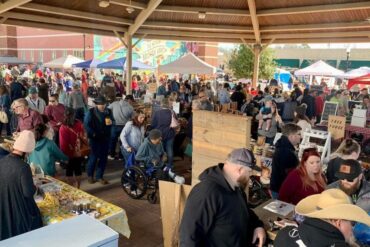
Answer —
319 104
292 191
67 138
55 115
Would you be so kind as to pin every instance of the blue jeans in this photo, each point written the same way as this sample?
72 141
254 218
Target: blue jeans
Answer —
168 148
115 133
98 156
125 155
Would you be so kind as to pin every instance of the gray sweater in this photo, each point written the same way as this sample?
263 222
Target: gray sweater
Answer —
76 100
122 111
132 136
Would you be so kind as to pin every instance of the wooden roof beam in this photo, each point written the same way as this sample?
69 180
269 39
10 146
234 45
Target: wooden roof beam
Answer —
194 34
333 26
255 23
324 40
197 27
316 35
183 9
127 3
74 13
141 18
208 11
11 4
314 9
52 20
179 38
12 22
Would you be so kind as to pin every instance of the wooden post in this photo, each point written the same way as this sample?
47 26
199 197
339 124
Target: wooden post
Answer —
129 65
257 51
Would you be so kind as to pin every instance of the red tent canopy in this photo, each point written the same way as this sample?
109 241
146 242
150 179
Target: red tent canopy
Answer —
365 79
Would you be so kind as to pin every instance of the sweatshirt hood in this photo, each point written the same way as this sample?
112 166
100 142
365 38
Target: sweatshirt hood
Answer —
314 231
40 144
216 175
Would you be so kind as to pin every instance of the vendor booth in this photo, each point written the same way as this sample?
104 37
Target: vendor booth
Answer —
63 62
188 64
120 63
320 68
362 80
91 63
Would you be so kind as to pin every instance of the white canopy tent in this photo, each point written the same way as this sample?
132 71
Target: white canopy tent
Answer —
63 62
320 68
356 73
187 64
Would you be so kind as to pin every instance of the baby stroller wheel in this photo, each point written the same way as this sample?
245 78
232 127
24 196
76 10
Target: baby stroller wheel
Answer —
134 182
152 198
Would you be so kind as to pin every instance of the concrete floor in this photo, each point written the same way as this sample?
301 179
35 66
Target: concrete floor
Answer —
144 218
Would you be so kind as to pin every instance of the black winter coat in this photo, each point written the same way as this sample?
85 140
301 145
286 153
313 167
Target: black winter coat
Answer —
18 210
312 233
216 215
284 160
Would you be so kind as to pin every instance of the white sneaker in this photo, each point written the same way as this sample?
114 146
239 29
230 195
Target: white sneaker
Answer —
136 192
110 157
179 179
171 174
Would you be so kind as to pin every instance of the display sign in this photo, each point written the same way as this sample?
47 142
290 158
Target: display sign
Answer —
336 126
330 108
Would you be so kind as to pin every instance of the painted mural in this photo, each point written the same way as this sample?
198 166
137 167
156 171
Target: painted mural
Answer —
152 52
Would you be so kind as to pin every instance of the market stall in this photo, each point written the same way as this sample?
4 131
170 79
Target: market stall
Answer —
62 201
63 62
362 80
188 64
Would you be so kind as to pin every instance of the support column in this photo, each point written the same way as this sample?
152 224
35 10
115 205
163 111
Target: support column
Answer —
129 65
257 51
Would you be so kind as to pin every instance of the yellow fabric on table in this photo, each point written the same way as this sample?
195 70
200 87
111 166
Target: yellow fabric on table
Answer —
53 211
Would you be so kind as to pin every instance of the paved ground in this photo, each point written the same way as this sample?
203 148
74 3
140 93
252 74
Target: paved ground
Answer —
144 218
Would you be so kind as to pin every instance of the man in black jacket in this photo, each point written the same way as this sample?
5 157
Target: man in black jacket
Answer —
216 211
328 222
285 158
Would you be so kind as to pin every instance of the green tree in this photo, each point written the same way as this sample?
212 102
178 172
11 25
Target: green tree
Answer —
242 61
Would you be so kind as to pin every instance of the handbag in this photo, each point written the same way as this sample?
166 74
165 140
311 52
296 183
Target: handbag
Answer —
81 148
174 123
3 116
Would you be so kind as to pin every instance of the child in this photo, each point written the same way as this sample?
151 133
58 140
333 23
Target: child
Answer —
151 152
265 115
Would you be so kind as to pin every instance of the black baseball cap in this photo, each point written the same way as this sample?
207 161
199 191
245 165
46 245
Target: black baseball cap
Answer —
349 170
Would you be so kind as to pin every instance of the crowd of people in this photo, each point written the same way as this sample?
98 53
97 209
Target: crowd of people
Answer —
63 118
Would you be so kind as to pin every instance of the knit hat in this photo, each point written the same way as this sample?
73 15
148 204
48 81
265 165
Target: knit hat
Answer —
155 134
301 109
32 90
244 157
25 142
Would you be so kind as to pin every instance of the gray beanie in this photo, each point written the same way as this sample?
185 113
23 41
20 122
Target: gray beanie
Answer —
154 134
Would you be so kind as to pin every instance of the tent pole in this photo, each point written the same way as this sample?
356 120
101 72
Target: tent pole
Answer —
129 65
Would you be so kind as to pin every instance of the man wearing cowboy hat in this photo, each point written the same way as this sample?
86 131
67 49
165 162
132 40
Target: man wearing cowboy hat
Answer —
98 124
216 211
352 182
328 222
19 212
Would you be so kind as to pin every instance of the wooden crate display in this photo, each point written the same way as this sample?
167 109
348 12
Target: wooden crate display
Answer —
215 134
